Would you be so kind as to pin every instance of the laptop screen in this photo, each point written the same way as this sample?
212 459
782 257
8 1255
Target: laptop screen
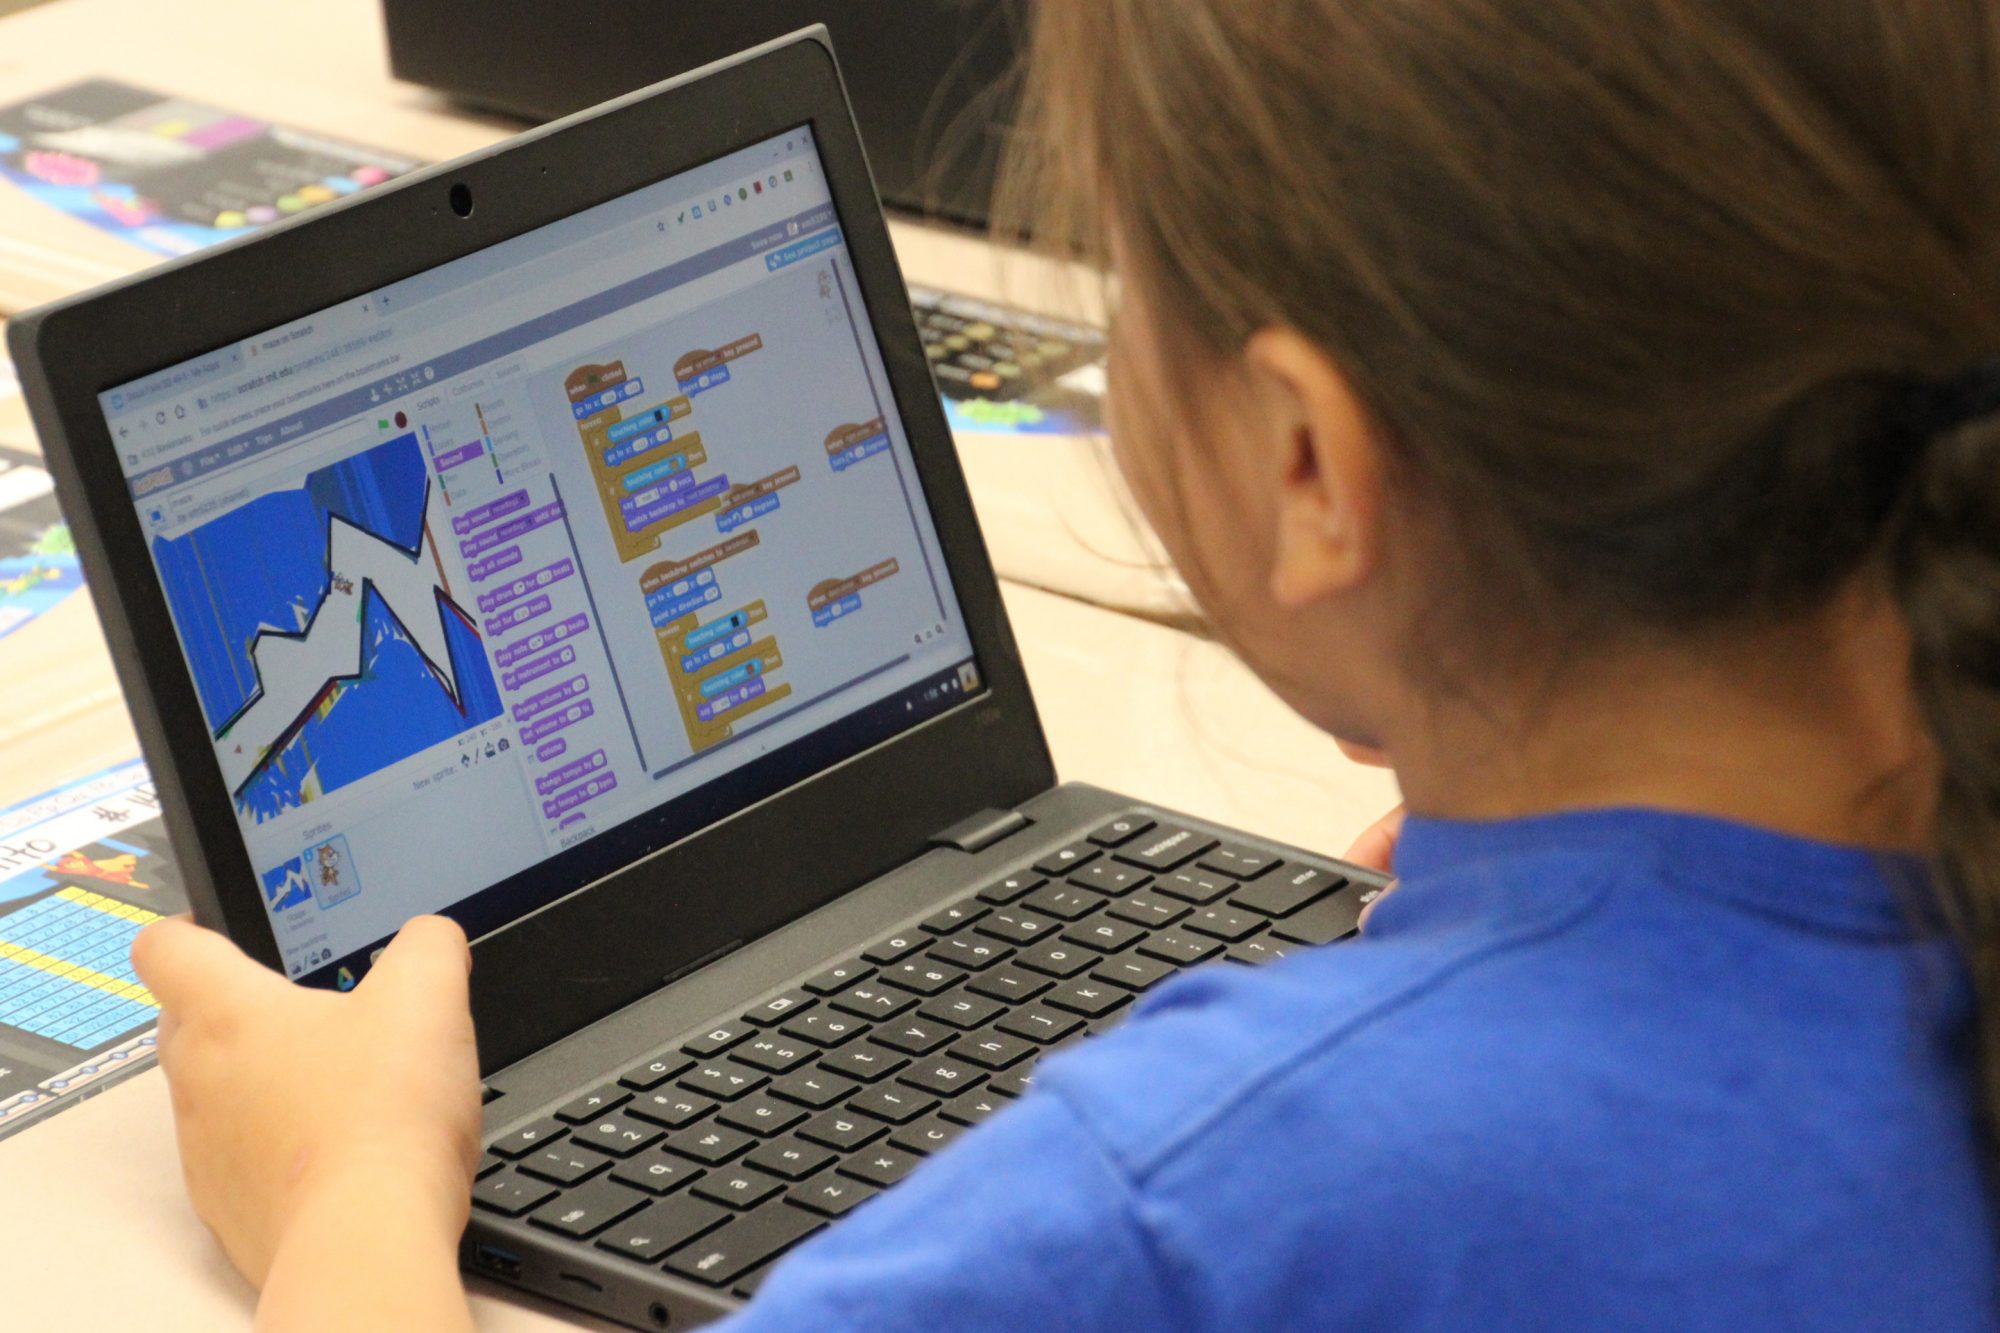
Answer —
490 579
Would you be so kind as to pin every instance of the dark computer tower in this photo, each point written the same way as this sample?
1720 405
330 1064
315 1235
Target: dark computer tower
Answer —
931 80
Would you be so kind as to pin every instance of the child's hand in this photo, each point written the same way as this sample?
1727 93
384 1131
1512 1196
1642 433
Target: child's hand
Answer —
289 1101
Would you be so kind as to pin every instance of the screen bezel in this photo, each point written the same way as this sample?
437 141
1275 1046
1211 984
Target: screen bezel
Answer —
605 943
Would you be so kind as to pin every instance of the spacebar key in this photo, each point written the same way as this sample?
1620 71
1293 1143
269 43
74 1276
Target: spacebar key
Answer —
744 1243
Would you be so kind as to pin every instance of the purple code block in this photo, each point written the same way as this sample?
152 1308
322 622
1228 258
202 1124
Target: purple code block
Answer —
482 570
550 723
539 667
570 772
519 614
728 699
480 515
527 583
511 653
553 697
668 506
576 796
519 526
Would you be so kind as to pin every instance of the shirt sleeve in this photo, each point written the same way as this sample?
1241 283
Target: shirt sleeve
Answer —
1024 1223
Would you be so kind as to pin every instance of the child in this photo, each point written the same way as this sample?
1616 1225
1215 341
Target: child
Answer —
1591 404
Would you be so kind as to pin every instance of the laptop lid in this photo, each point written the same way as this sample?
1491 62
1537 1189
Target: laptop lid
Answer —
567 539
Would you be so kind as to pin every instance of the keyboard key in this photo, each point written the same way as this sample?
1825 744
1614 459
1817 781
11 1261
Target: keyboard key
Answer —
1015 1082
1109 878
1092 999
834 1196
946 1078
792 1158
1063 901
779 1007
564 1164
775 1054
825 1027
656 1172
1106 936
892 1104
761 1115
992 1050
923 976
1224 923
1133 972
742 1244
724 1080
510 1193
971 952
616 1135
488 1164
915 1035
1011 888
929 1135
1009 983
1333 917
1239 861
670 1107
864 1060
1167 847
662 1227
814 1088
961 1009
1121 830
873 1001
717 1039
842 1131
1283 894
650 1074
1182 950
839 977
896 948
1065 859
955 916
1058 958
588 1209
737 1187
1016 926
881 1165
1200 887
971 1107
590 1105
1261 949
1040 1024
1149 910
528 1138
711 1146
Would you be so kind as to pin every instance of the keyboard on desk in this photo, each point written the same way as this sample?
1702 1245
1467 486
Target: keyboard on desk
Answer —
717 1155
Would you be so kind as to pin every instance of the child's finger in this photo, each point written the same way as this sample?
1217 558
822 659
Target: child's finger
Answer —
1376 847
181 963
429 954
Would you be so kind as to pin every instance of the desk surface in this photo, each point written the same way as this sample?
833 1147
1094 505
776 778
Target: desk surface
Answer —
97 1224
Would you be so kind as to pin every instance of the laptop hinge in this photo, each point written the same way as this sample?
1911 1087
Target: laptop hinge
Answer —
980 831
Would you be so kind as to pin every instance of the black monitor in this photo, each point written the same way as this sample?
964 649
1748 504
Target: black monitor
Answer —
930 80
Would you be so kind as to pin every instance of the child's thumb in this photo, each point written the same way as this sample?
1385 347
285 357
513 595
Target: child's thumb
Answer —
429 957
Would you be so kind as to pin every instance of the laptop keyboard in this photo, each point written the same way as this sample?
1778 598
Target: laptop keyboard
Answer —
713 1158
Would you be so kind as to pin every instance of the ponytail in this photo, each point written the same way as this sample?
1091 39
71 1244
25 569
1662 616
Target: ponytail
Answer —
1945 566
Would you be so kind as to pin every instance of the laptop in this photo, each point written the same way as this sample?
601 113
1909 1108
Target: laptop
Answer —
569 539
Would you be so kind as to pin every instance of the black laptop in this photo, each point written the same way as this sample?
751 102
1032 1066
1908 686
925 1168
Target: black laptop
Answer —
569 539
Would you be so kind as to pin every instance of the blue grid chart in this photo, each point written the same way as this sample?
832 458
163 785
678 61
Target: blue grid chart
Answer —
66 969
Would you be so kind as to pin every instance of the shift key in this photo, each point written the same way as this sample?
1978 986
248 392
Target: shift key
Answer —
743 1244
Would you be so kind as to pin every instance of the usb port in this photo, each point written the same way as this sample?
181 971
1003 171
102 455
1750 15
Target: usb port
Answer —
493 1259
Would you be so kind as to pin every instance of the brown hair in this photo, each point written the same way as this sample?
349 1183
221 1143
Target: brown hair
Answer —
1637 292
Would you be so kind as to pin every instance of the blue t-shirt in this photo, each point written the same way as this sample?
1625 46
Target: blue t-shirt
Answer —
1610 1069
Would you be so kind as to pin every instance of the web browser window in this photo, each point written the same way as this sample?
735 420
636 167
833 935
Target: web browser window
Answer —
474 568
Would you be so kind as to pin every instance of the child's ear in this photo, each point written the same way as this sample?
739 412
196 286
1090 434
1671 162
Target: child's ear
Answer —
1325 461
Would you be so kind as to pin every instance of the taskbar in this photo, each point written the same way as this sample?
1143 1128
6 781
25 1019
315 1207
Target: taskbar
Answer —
490 909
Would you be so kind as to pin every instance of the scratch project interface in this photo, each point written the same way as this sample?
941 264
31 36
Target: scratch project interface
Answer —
484 564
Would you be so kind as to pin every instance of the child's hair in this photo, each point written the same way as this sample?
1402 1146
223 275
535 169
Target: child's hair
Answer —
1655 302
